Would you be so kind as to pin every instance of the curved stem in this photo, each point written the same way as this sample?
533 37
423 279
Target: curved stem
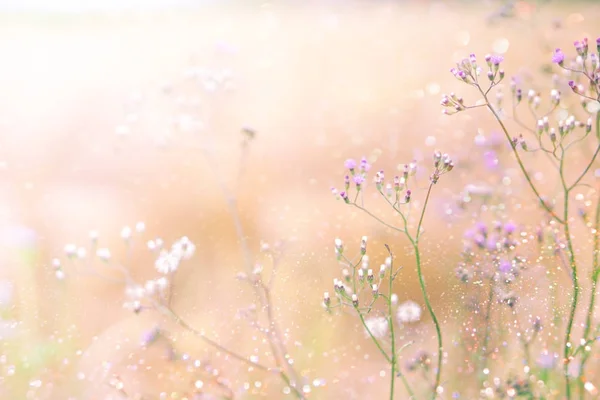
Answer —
595 275
573 266
574 300
486 338
519 161
394 358
438 330
585 171
373 338
435 321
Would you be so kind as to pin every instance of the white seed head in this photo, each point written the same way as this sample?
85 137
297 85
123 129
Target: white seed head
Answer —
126 233
140 227
408 311
70 250
103 254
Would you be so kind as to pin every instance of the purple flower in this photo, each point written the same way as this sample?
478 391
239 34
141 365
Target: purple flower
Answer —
482 228
509 227
558 57
490 159
358 179
598 44
364 165
505 266
344 196
496 59
350 164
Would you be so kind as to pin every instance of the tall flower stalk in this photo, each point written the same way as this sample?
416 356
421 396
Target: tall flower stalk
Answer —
398 196
554 143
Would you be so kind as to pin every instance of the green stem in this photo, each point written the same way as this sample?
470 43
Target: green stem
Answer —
373 338
575 279
595 275
415 243
486 339
519 161
391 324
566 355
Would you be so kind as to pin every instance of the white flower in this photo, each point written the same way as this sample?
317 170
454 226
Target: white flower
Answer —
103 254
408 311
126 233
140 227
378 326
55 263
70 250
81 252
184 248
167 262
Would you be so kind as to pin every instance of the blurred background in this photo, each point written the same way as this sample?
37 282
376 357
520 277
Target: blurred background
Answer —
108 110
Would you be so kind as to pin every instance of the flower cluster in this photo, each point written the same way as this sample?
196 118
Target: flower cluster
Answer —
357 277
138 296
490 255
469 71
168 260
584 70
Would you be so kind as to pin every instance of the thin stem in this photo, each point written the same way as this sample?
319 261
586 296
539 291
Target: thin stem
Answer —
181 322
373 338
585 171
275 340
394 359
567 346
590 312
438 330
395 228
433 317
486 338
519 161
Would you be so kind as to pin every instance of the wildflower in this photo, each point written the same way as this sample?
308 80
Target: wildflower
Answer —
382 269
81 252
354 300
167 262
70 250
363 245
581 47
93 236
326 299
496 59
350 164
184 248
509 227
558 57
103 254
378 326
365 262
408 311
364 165
505 266
126 233
358 181
339 247
140 227
344 196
